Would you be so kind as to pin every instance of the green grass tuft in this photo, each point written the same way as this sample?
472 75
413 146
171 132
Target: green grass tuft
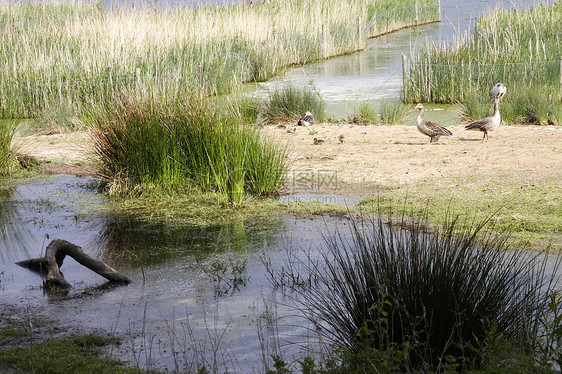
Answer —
417 298
182 145
81 354
287 105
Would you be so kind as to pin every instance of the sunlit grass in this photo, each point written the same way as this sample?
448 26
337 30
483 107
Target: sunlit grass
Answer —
531 212
146 145
7 156
75 55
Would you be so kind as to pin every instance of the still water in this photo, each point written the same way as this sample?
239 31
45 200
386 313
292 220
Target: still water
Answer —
375 74
194 290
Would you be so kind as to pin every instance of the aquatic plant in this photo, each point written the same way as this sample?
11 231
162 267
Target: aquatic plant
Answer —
289 104
176 145
421 298
76 55
518 48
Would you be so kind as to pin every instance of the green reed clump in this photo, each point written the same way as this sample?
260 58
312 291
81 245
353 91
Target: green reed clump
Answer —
75 54
389 113
532 105
364 114
290 103
392 113
7 156
180 145
426 299
519 48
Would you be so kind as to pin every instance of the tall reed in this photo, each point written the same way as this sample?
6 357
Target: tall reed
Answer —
179 145
518 48
7 156
431 294
77 55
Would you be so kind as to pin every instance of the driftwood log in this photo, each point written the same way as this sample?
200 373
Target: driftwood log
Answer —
55 253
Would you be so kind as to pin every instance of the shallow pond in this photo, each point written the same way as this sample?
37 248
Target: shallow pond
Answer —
198 295
192 288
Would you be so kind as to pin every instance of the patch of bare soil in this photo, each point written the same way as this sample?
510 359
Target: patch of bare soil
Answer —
369 159
64 153
374 157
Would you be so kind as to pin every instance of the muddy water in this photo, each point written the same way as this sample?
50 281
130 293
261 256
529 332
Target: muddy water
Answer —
375 74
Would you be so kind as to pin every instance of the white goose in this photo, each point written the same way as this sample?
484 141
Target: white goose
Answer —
488 123
498 91
431 129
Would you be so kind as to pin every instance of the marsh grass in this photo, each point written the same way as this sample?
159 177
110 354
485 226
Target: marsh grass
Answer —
387 113
74 54
393 113
288 104
427 298
175 146
7 155
80 354
518 48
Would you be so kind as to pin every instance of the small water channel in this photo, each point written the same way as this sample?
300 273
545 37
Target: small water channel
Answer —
375 74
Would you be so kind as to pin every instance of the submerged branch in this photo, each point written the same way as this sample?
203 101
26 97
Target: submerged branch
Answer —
56 251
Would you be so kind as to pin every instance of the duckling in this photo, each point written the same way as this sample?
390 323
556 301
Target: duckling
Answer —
488 123
317 141
306 120
291 129
431 129
341 138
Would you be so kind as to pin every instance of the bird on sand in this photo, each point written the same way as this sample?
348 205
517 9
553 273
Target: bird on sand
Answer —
291 129
431 129
488 123
317 141
341 138
498 91
306 120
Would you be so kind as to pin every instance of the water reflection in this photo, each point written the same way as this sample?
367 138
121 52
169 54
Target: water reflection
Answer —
135 241
195 291
375 74
12 235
